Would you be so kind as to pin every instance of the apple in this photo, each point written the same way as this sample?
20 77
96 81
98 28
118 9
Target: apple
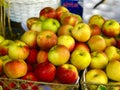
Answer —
1 38
96 43
15 68
31 20
37 26
4 46
65 30
30 38
67 74
58 55
70 18
67 41
110 41
30 76
51 24
95 29
1 66
60 10
45 72
46 39
111 28
117 41
42 56
18 50
112 70
99 60
32 57
82 46
80 58
96 19
47 12
95 76
81 32
112 53
29 67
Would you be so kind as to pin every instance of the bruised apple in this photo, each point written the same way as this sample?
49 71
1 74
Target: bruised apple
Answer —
46 39
15 68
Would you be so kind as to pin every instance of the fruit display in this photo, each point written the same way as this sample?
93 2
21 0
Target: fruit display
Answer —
58 46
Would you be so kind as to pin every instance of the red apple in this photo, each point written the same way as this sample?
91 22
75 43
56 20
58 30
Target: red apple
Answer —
30 38
46 39
29 67
30 76
32 57
18 50
95 29
65 30
58 55
59 11
48 12
45 72
67 41
42 56
67 74
15 68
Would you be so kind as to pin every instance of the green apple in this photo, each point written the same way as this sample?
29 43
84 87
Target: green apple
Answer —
1 38
58 55
112 53
80 58
37 26
112 70
67 41
99 60
96 19
81 32
18 50
95 76
111 28
96 43
50 24
30 38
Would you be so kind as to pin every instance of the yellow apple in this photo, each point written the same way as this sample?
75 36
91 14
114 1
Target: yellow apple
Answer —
96 76
112 70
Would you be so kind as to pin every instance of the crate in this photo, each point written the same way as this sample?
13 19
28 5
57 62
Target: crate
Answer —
21 10
19 84
86 86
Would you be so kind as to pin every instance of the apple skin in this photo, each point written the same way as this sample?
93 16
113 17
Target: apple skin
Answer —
46 39
30 76
56 55
70 18
95 29
80 58
4 46
45 72
15 68
67 74
81 46
67 41
97 76
18 50
65 30
81 32
96 43
111 28
47 12
1 66
60 10
1 38
112 70
32 57
112 53
31 21
30 38
51 24
42 56
99 60
97 19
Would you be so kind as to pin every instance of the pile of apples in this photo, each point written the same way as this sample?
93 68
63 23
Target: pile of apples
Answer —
58 45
